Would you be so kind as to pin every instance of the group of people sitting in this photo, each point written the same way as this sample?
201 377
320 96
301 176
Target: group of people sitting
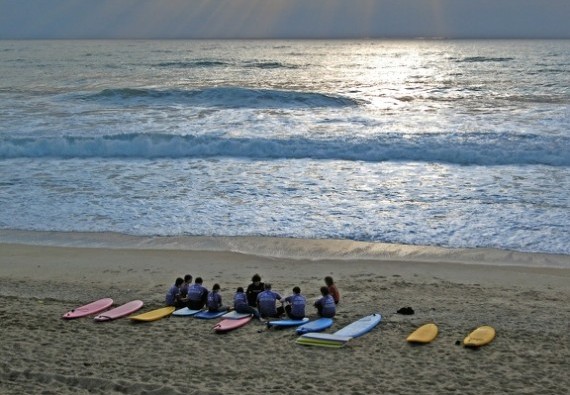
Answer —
258 299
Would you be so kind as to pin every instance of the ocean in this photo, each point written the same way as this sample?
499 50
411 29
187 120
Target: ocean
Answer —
458 144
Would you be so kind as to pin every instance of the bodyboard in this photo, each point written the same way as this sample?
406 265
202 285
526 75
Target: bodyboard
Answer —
208 315
234 315
315 326
424 334
185 312
480 336
287 323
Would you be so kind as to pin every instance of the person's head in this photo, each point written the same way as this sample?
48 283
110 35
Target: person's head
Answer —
329 281
324 291
296 290
239 289
188 279
256 278
179 281
267 286
216 287
198 280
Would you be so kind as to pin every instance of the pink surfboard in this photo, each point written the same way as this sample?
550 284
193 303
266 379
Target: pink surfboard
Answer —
120 311
229 324
88 309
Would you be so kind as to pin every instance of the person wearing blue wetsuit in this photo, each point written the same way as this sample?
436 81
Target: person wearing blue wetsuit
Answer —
295 307
214 302
326 307
266 303
241 304
173 296
197 295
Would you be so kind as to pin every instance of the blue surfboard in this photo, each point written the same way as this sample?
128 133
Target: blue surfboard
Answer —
185 312
355 329
208 315
287 323
315 326
360 327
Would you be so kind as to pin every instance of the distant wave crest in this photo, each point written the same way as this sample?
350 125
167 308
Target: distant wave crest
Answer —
207 63
192 64
475 150
224 97
478 59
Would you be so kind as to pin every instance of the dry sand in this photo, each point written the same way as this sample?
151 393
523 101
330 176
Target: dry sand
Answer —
525 297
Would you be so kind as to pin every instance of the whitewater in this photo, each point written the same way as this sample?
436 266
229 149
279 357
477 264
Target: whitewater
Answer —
440 143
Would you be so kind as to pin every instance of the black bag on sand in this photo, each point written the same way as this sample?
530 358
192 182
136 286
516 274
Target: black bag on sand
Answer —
406 311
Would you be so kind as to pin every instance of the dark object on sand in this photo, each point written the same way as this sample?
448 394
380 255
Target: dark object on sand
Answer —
406 311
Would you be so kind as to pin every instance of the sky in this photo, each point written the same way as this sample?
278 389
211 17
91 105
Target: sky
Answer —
90 19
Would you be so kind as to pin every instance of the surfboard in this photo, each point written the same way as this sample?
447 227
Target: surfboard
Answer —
424 334
234 315
208 315
88 309
121 311
360 327
185 312
319 343
229 324
287 323
342 336
325 337
315 326
480 336
154 315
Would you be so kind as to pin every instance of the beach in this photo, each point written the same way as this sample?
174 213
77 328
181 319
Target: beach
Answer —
524 296
431 174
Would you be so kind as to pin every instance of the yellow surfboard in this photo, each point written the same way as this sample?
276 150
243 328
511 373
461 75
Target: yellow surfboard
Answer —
424 334
306 341
154 315
480 336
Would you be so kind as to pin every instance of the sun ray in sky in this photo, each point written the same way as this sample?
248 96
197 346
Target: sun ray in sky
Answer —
283 19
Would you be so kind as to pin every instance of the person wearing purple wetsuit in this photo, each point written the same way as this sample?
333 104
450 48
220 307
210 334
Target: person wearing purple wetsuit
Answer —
326 307
241 304
173 297
214 301
197 295
266 303
295 307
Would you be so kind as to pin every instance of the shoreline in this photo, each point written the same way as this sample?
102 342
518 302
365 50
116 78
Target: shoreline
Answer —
527 305
289 248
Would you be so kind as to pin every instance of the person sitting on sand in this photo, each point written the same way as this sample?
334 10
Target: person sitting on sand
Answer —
266 301
186 285
333 290
173 297
295 308
325 305
254 289
214 301
197 295
242 306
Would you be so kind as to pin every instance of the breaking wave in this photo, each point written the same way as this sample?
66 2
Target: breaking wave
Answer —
224 97
475 149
